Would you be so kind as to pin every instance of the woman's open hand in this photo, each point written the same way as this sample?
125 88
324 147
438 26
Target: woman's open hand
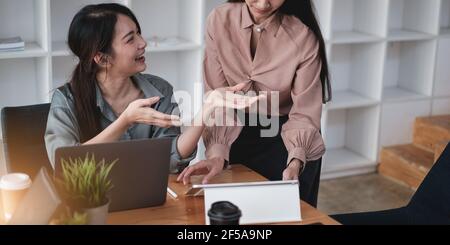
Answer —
227 98
140 111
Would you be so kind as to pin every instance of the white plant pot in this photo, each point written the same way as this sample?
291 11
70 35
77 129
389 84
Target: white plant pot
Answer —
97 215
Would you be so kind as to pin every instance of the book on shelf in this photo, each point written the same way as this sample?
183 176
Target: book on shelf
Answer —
12 44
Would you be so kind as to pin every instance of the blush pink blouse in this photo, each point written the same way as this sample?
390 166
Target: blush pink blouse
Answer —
286 60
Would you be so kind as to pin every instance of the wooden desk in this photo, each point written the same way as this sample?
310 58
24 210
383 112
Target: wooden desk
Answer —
190 210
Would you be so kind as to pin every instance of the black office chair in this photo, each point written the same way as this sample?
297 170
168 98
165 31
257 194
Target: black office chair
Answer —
429 205
23 138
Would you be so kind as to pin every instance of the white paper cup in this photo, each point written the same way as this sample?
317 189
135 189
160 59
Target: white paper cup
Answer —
13 187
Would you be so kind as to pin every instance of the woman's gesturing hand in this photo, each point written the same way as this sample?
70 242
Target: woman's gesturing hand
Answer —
226 98
140 111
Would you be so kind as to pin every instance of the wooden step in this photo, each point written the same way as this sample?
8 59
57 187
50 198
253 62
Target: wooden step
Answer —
430 131
439 148
405 164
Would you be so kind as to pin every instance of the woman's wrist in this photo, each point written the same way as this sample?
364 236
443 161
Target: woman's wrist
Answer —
297 164
123 121
221 161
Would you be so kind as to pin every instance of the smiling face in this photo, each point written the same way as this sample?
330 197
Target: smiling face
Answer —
262 9
128 48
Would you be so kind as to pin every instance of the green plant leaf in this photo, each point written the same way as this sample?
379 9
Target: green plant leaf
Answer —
85 181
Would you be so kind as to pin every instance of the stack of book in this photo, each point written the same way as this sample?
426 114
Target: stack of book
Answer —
12 44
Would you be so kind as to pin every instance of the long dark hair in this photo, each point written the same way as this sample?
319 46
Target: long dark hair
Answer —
304 10
91 32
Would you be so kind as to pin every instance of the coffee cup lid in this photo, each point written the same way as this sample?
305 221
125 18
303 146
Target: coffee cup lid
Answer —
15 181
224 210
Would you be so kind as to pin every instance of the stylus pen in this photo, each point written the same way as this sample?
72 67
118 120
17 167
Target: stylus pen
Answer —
172 193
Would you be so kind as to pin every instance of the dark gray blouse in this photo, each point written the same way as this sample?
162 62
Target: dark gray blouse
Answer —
63 129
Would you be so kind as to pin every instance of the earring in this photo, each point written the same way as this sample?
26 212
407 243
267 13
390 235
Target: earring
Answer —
105 59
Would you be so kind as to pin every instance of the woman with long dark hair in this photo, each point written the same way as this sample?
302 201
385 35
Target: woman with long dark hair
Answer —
270 46
108 99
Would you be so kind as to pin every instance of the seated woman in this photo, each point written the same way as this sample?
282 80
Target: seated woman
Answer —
108 99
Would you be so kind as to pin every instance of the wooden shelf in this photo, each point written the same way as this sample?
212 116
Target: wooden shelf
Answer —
178 45
350 137
355 70
60 48
442 71
406 35
341 162
408 70
391 94
355 21
405 24
23 82
349 99
31 50
343 37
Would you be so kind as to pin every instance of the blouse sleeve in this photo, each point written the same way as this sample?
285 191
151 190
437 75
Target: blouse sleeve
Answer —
217 139
301 133
62 127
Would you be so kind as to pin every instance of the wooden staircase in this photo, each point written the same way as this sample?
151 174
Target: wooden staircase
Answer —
409 164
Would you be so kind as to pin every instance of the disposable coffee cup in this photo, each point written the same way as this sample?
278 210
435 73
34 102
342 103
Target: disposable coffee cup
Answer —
13 187
224 213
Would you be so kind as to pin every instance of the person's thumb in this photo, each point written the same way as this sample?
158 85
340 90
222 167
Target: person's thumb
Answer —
150 101
237 87
287 174
208 177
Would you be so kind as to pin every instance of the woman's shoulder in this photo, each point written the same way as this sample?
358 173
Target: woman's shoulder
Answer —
162 85
62 97
228 7
293 25
300 33
226 11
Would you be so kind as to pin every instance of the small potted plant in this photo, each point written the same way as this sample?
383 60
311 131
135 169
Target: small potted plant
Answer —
85 185
70 217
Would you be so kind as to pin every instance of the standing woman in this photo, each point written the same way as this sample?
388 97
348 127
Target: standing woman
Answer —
108 98
272 46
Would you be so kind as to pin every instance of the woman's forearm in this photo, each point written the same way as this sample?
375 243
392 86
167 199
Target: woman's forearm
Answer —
187 142
110 134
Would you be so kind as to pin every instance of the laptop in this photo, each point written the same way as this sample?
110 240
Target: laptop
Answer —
140 176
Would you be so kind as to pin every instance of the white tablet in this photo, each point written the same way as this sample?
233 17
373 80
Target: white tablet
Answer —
259 202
